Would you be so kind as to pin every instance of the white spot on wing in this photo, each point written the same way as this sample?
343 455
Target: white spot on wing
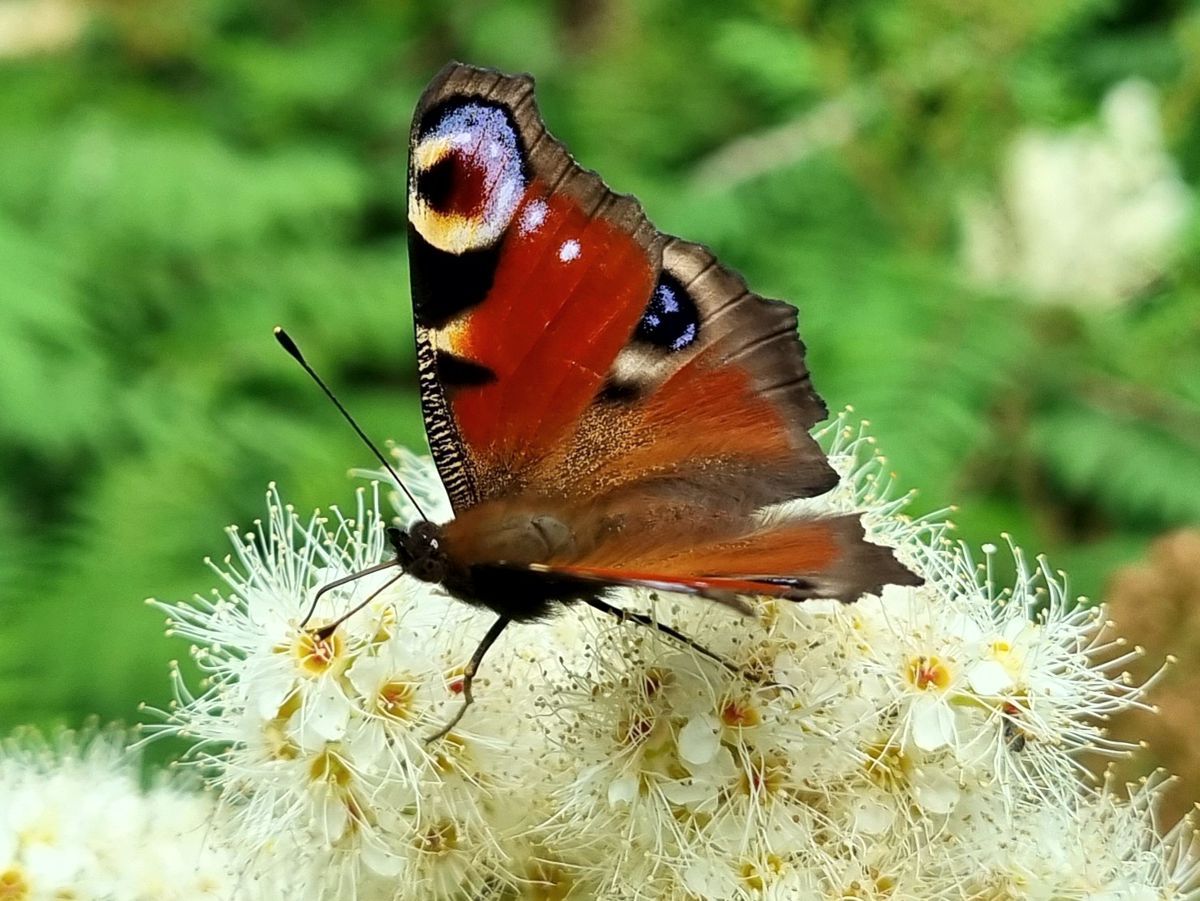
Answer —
569 250
533 216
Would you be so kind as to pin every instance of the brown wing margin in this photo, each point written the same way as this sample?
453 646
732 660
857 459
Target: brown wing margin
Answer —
441 431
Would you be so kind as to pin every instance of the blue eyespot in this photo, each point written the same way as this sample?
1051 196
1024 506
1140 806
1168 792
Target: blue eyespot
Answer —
671 320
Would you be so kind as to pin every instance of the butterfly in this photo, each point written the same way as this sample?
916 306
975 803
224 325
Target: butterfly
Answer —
606 405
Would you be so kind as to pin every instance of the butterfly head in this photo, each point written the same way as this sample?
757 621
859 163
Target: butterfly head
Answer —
419 551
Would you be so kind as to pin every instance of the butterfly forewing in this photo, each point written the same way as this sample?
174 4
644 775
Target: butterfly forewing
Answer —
528 277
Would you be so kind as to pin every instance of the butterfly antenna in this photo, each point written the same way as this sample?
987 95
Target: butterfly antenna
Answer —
286 342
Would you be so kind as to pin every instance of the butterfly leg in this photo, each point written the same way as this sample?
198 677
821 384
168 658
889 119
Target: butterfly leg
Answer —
472 667
644 620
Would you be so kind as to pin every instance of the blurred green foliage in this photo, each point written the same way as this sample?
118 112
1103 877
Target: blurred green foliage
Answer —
186 174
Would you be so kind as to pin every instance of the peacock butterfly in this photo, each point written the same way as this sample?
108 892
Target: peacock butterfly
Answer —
606 405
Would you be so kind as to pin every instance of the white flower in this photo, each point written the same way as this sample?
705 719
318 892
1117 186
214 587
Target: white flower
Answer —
316 738
916 744
1090 216
74 823
1096 846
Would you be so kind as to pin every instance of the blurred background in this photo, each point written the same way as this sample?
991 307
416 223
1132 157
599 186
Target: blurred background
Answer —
985 213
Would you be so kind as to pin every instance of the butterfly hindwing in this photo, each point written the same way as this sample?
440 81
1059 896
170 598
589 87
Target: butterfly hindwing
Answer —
711 391
794 560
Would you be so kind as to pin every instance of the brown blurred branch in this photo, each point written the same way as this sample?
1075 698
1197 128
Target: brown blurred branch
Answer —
1138 402
830 124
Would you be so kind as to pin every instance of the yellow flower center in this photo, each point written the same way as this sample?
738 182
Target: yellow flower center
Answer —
878 886
765 774
275 730
1008 657
755 873
14 886
396 698
926 673
316 655
547 881
328 767
887 765
739 712
439 838
451 754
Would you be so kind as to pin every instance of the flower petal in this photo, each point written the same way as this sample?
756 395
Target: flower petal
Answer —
932 724
989 677
699 739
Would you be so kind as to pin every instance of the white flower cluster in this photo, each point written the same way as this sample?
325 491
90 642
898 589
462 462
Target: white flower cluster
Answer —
1090 216
75 823
921 744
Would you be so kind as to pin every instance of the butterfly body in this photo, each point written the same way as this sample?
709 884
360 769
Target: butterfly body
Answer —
495 575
